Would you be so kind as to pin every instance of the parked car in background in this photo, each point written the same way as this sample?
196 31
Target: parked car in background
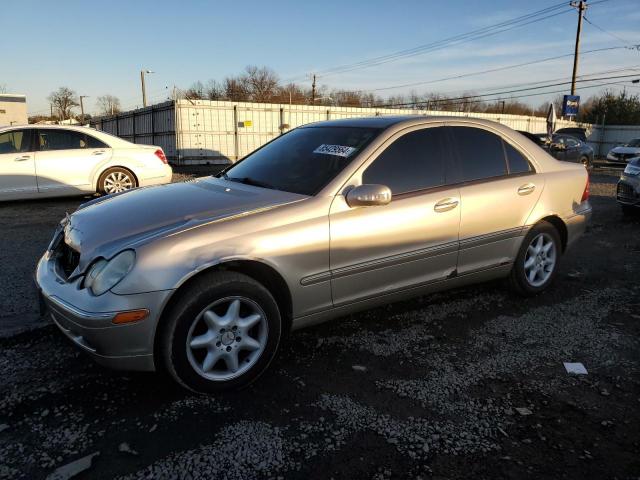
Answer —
570 149
628 189
202 279
623 153
576 132
38 161
563 147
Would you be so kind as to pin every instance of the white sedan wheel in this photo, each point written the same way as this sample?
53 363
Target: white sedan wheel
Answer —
116 181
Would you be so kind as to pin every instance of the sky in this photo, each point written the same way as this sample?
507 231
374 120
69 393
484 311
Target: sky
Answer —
98 48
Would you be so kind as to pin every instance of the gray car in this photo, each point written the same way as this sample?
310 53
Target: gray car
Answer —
204 278
564 146
628 189
568 148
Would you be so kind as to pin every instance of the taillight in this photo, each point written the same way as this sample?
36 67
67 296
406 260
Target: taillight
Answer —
160 154
585 194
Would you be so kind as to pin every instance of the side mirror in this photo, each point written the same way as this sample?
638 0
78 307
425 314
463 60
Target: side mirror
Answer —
368 196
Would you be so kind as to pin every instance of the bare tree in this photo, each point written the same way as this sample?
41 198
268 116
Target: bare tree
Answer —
3 88
195 91
235 89
63 101
262 83
213 90
292 92
108 104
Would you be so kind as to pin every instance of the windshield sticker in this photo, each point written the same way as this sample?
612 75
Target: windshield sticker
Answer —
337 150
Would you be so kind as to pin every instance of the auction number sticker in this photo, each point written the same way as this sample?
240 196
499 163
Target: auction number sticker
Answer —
337 150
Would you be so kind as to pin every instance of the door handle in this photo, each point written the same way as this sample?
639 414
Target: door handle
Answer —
446 204
22 159
526 189
98 153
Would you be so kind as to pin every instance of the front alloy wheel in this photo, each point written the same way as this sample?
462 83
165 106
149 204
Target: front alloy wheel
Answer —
227 338
221 333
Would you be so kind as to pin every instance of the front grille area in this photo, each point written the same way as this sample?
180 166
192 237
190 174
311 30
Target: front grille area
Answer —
68 258
626 192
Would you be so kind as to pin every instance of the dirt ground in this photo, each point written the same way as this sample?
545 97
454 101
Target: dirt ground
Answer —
464 384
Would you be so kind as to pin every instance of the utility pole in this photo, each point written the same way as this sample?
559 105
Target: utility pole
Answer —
82 107
581 6
313 90
51 105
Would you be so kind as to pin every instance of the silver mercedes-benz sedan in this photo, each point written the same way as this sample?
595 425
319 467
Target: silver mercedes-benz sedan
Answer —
204 278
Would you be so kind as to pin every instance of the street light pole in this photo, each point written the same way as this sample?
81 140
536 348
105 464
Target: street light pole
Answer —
82 107
144 90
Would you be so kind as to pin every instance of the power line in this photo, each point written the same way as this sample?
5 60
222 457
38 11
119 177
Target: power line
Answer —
435 47
491 70
456 39
613 35
481 100
506 92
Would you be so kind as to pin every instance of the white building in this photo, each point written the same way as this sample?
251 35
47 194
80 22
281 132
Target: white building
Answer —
13 109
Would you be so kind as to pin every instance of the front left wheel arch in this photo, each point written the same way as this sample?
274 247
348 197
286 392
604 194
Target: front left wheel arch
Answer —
262 273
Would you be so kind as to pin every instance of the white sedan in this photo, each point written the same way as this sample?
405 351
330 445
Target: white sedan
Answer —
39 161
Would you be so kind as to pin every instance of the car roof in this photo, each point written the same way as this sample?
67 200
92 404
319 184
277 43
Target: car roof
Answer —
111 140
402 121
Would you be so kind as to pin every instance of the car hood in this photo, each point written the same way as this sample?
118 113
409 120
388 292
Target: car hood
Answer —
105 226
625 150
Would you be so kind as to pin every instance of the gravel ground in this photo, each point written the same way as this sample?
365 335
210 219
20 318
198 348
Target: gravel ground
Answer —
463 384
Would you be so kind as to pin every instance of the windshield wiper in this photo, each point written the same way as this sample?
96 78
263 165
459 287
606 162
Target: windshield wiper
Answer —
249 181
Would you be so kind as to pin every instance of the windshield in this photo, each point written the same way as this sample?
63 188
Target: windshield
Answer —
304 160
634 143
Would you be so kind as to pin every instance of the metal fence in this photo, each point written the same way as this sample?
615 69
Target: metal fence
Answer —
203 131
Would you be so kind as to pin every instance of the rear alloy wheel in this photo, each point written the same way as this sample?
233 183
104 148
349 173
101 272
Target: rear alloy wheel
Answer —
116 180
221 334
537 262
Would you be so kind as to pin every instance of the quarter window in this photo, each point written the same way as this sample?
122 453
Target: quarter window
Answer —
93 142
15 141
415 161
61 140
517 162
480 154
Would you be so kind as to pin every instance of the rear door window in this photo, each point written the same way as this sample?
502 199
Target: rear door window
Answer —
415 161
15 141
479 154
51 139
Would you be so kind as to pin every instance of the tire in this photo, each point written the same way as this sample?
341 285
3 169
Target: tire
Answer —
520 277
204 332
115 180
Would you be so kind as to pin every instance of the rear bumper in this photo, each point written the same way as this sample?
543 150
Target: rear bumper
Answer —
577 223
157 177
86 320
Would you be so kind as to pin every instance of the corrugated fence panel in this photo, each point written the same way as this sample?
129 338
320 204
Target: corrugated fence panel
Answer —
256 126
202 131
